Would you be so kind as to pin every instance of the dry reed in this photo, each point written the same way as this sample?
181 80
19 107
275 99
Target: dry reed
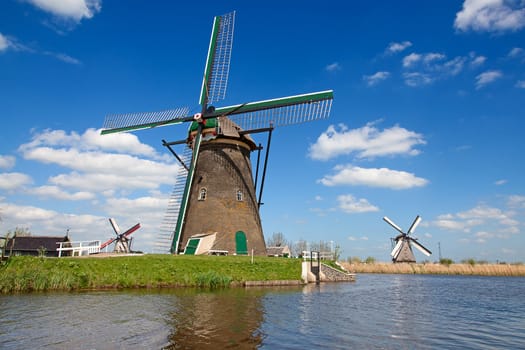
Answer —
438 269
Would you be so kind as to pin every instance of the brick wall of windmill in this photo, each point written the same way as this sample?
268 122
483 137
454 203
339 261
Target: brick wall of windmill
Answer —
224 168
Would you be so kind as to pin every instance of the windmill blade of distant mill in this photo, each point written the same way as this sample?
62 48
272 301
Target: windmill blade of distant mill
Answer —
414 224
279 111
217 66
391 223
144 120
131 230
397 248
420 247
108 242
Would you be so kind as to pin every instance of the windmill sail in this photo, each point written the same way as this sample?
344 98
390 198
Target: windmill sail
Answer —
420 247
414 224
217 66
135 121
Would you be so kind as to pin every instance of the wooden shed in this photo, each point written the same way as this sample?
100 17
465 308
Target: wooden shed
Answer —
282 251
34 245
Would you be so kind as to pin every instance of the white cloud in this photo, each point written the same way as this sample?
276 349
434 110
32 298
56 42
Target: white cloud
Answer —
411 59
367 142
394 47
487 77
516 52
91 140
63 57
350 175
520 84
4 43
476 61
95 162
351 205
7 162
14 181
414 79
491 16
425 68
516 201
500 223
375 78
74 10
333 67
57 193
500 182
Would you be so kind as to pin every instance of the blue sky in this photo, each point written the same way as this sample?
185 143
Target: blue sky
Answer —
427 117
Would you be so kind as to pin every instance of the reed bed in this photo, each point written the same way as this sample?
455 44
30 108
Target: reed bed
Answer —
438 269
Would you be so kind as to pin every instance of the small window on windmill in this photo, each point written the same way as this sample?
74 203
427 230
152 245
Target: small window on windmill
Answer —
202 194
239 195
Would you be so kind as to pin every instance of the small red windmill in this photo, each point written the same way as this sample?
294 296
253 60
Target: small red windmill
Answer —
122 240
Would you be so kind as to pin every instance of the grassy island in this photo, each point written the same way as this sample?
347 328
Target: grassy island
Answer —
25 274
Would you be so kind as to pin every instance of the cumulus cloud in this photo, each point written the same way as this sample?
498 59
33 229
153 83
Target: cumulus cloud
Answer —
14 181
482 219
74 10
98 163
395 47
346 175
375 78
366 142
491 16
487 77
351 205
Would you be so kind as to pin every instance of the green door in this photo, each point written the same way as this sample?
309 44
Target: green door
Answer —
191 246
241 245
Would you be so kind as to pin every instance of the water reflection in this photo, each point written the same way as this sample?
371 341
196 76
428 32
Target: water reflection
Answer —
216 320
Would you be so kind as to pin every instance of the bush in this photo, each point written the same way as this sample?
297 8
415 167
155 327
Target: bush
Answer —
354 260
370 260
446 261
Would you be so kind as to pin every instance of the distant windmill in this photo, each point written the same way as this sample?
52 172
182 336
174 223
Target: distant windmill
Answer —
402 251
214 207
122 240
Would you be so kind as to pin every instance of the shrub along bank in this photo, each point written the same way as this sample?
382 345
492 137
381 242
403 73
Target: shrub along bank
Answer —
24 273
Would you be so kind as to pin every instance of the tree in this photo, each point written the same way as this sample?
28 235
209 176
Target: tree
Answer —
277 240
21 232
299 247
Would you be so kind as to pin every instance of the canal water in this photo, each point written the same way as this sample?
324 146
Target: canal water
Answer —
375 312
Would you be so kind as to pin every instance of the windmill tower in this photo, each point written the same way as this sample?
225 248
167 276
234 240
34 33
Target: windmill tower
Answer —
215 208
402 251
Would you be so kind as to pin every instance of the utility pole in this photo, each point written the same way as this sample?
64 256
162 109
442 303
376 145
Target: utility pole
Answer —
439 249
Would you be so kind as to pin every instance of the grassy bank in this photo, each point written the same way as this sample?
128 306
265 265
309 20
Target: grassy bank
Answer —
24 274
439 269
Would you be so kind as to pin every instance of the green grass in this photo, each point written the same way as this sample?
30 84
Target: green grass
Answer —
24 274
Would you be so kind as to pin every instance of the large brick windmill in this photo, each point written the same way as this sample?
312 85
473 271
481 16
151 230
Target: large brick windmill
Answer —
214 208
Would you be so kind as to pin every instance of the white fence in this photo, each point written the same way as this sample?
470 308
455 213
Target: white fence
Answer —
79 248
322 255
